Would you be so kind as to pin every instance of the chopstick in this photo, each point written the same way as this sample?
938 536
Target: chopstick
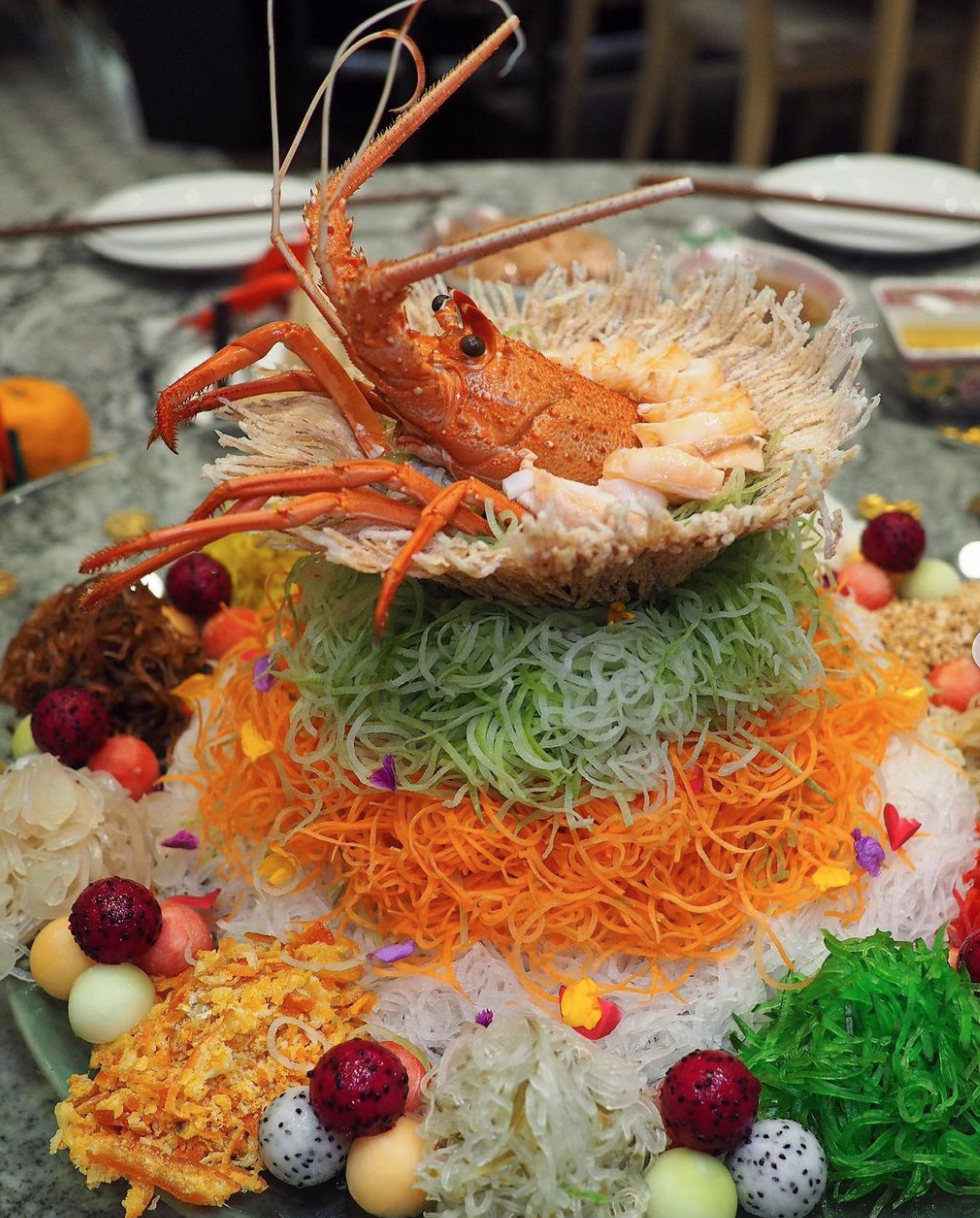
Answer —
71 228
754 194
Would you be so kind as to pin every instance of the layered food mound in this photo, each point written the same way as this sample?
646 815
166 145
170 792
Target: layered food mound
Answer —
575 897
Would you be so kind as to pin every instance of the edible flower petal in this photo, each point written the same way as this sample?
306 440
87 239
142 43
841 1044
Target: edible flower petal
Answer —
194 688
579 1004
254 744
868 852
393 951
385 776
262 677
207 900
827 877
619 613
899 828
183 839
484 1018
278 867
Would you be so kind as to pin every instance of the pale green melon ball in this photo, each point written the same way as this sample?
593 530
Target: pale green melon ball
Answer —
930 580
686 1182
108 1000
22 741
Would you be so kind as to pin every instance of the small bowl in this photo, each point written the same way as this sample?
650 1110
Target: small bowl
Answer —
935 326
779 268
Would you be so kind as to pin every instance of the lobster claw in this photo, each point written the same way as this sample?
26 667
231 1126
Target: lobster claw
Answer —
476 322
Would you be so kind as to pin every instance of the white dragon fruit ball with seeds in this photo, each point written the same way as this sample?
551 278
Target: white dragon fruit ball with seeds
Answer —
293 1144
780 1170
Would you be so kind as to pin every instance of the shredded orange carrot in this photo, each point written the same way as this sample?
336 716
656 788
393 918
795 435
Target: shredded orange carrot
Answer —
676 885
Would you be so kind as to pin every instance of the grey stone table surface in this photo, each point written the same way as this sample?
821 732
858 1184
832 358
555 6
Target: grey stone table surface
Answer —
109 331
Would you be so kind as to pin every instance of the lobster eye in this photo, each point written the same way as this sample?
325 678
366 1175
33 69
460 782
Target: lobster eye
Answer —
472 345
439 302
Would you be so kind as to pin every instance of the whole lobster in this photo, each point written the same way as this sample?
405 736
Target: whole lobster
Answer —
470 399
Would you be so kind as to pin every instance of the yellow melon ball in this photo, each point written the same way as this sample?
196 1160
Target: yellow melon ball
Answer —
50 426
381 1171
56 960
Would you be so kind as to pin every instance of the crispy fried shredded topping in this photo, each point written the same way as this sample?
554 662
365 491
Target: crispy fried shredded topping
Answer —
175 1103
126 653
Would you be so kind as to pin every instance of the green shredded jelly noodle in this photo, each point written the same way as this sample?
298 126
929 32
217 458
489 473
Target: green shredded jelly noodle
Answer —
546 706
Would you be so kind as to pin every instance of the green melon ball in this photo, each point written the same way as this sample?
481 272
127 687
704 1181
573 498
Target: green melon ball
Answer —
685 1182
22 742
931 579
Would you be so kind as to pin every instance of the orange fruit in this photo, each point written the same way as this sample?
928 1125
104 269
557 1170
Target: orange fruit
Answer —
51 425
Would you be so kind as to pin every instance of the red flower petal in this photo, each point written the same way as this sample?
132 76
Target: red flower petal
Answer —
207 901
899 828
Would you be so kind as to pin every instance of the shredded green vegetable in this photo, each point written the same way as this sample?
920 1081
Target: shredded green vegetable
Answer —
880 1057
547 706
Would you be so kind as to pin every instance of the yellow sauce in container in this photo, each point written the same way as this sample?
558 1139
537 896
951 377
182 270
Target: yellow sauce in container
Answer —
941 336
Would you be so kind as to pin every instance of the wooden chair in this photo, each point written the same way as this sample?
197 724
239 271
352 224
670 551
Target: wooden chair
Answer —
785 45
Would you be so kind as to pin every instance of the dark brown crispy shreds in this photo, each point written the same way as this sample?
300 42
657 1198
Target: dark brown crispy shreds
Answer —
127 653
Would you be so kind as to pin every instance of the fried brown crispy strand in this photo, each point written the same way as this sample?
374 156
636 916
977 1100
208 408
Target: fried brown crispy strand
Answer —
127 653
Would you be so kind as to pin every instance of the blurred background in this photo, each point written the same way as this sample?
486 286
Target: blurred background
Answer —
747 81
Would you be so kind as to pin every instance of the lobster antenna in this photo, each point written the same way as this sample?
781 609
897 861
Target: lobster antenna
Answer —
395 275
344 51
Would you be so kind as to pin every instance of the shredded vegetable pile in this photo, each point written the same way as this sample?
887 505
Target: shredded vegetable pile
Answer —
175 1103
742 838
545 706
880 1056
527 1119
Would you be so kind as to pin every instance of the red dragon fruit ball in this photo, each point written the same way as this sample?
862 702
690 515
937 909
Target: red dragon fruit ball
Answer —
358 1088
709 1101
70 723
894 541
198 584
115 919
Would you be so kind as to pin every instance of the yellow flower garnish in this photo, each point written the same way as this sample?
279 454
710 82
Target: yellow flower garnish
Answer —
827 877
619 613
254 744
194 688
580 1004
278 867
870 506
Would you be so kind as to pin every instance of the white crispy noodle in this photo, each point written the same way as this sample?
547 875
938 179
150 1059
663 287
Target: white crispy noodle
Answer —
802 384
561 1121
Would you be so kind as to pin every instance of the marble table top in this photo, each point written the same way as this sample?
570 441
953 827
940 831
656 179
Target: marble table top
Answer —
109 332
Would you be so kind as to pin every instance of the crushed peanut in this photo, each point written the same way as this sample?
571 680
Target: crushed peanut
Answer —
927 633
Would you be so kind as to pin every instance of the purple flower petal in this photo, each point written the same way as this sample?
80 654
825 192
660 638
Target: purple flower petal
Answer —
183 839
484 1018
262 678
393 951
385 777
868 851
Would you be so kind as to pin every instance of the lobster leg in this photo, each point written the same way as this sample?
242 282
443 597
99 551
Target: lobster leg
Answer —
340 475
434 516
178 403
297 381
176 540
338 489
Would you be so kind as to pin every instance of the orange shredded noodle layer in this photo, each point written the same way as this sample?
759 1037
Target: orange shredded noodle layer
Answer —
676 885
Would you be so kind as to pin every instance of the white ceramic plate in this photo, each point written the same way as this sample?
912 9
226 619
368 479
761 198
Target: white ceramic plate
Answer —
868 177
191 245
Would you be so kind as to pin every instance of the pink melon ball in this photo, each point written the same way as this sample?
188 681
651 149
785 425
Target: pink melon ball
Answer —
130 762
868 584
185 935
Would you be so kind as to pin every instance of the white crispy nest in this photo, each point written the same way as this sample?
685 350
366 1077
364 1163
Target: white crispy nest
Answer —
802 384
